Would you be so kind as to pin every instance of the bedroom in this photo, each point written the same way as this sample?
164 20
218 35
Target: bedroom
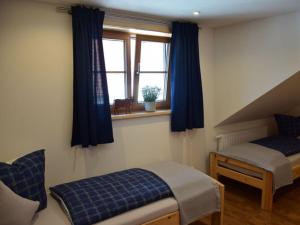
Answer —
242 57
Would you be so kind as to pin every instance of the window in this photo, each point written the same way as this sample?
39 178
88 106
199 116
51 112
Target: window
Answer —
134 61
117 64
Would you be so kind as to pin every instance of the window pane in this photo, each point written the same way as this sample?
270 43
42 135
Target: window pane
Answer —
114 54
153 56
153 79
116 88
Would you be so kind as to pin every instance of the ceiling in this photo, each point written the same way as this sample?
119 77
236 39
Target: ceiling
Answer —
213 13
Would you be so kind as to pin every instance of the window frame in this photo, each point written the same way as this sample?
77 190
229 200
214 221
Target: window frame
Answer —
139 39
126 37
118 35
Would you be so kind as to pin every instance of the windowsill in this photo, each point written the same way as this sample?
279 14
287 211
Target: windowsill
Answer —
135 115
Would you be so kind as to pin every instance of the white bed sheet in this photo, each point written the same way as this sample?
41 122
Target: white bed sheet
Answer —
54 215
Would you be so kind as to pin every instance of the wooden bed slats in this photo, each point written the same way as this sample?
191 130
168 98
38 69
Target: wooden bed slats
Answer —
252 181
238 163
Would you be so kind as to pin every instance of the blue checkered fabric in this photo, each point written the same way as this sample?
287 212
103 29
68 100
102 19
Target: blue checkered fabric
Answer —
98 198
287 145
297 127
288 125
25 177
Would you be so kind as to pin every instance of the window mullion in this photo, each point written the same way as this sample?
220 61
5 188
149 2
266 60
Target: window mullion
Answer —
127 57
136 67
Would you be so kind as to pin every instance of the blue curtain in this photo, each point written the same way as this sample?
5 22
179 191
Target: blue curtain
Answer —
91 110
186 87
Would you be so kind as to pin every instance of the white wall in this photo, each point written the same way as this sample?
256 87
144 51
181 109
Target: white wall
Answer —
36 102
238 63
251 58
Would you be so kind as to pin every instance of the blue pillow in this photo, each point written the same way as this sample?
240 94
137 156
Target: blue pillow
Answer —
26 177
288 125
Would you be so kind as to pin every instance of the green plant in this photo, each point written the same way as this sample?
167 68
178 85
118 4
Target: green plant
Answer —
150 94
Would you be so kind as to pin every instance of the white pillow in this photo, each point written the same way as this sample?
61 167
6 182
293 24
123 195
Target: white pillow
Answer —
14 209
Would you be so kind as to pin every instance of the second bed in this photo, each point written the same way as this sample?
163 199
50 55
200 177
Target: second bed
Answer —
267 163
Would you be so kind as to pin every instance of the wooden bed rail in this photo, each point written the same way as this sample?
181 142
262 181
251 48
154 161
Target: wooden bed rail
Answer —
169 219
264 182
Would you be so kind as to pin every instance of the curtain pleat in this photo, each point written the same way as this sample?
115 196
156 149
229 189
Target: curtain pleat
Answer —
186 87
92 123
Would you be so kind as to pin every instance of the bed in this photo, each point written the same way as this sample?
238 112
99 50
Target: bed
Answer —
165 211
160 212
157 194
246 171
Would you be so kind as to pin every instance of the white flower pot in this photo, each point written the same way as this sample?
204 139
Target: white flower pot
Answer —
150 106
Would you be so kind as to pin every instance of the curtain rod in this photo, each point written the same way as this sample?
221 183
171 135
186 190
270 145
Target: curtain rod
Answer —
114 14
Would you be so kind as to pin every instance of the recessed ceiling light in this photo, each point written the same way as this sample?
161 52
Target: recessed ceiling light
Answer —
196 13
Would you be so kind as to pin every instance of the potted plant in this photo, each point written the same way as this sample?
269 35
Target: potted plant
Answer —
150 94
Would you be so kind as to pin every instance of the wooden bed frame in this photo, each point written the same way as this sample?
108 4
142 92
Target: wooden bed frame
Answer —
265 183
174 218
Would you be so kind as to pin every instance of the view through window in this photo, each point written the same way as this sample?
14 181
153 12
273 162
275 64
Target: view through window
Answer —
114 54
133 62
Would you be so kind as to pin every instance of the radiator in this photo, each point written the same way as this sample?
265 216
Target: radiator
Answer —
241 136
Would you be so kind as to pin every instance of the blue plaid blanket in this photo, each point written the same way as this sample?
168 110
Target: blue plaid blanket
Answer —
287 145
98 198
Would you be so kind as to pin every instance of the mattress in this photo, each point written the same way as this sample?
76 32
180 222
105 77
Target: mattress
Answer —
96 199
54 214
294 160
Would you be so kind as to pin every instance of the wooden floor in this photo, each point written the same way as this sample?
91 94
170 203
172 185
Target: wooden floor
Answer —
242 206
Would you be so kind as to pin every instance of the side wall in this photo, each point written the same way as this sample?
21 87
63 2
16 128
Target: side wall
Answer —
36 102
252 58
295 111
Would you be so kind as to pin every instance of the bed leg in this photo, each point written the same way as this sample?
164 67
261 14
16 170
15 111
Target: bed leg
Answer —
213 165
217 217
267 192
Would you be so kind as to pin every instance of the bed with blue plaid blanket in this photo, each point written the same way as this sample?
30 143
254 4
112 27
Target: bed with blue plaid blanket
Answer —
95 199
